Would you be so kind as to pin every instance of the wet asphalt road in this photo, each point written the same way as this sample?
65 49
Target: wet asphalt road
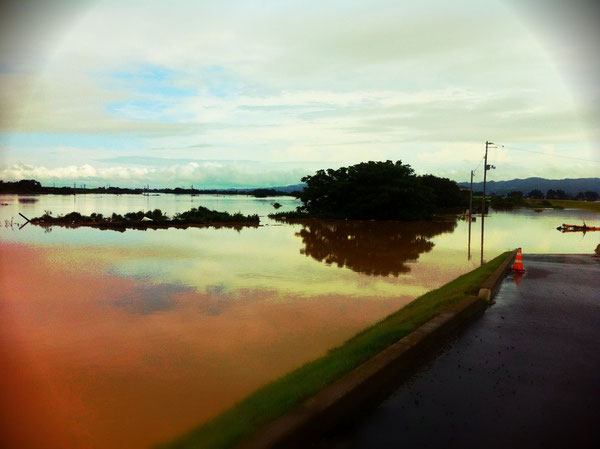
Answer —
525 374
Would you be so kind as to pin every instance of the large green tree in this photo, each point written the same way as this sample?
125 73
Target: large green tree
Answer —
447 193
369 190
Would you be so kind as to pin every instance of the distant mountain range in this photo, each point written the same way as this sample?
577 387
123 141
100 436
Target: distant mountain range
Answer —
290 188
570 186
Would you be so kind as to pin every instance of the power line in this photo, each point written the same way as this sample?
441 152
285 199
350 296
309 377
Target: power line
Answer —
478 165
552 155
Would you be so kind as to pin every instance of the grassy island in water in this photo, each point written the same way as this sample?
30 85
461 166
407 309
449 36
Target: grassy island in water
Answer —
156 219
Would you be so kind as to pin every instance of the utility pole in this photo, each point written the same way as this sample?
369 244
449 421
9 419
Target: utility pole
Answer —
483 198
484 179
486 167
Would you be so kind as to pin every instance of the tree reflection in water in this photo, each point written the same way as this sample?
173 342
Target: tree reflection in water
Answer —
374 248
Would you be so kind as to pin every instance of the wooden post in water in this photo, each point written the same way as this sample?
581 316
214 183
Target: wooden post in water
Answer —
471 198
469 217
469 244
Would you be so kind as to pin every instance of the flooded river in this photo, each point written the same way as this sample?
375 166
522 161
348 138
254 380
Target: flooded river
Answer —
127 339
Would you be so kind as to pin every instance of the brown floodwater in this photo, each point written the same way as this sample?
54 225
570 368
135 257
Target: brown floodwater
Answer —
126 340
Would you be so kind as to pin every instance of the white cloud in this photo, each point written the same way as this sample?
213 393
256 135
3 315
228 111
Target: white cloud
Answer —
201 174
286 81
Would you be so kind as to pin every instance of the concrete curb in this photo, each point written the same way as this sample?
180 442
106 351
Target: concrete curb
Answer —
491 285
371 380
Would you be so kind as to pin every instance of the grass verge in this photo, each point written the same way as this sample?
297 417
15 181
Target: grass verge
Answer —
594 206
281 395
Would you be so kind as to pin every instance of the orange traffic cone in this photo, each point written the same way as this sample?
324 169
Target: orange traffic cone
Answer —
518 265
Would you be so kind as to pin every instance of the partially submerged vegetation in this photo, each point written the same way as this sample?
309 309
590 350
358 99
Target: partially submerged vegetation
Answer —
553 199
280 396
511 201
377 191
291 215
593 206
198 216
515 200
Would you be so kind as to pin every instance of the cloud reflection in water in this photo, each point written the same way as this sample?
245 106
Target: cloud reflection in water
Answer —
146 299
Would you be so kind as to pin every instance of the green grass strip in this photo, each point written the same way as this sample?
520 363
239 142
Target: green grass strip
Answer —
283 394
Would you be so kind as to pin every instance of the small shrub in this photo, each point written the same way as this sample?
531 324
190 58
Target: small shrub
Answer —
73 216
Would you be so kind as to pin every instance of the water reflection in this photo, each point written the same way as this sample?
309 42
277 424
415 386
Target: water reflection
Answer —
469 220
83 350
374 248
172 327
482 234
27 200
150 298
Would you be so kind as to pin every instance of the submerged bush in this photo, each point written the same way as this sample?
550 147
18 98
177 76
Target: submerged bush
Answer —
156 214
203 215
73 216
296 215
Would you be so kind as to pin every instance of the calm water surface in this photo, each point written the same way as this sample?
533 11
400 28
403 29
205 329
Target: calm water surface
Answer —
125 340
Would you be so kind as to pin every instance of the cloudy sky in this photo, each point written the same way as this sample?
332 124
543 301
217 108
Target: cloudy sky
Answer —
247 93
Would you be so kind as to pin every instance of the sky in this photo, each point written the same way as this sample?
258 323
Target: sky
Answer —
220 94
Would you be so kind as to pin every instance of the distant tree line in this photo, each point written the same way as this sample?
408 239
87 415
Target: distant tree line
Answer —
558 194
23 186
517 198
31 186
550 194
